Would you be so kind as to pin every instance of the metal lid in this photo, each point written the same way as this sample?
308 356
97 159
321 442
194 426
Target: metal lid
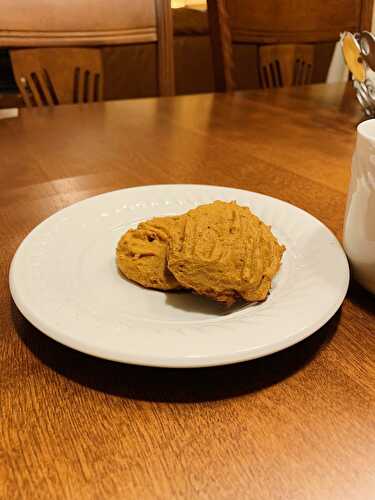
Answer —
367 42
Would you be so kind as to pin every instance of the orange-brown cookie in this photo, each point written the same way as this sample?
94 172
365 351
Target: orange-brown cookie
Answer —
141 254
225 252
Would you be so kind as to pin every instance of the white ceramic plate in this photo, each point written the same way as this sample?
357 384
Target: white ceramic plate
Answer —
64 280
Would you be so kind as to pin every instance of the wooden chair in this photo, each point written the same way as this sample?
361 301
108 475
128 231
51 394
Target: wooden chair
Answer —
56 65
294 22
285 65
50 76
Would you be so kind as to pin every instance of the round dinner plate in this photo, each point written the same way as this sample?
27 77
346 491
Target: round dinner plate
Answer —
64 280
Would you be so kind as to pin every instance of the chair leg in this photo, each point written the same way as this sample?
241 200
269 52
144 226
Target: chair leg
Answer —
221 46
166 73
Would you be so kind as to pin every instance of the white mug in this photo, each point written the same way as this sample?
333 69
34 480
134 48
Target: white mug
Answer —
359 227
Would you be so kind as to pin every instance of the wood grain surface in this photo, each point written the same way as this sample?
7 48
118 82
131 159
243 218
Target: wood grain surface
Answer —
295 425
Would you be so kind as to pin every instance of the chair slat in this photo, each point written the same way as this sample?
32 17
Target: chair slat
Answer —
288 64
48 84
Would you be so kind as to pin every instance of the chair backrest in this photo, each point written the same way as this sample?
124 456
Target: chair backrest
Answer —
285 22
285 65
51 76
78 23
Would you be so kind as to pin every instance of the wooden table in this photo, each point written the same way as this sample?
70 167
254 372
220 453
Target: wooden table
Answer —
295 425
